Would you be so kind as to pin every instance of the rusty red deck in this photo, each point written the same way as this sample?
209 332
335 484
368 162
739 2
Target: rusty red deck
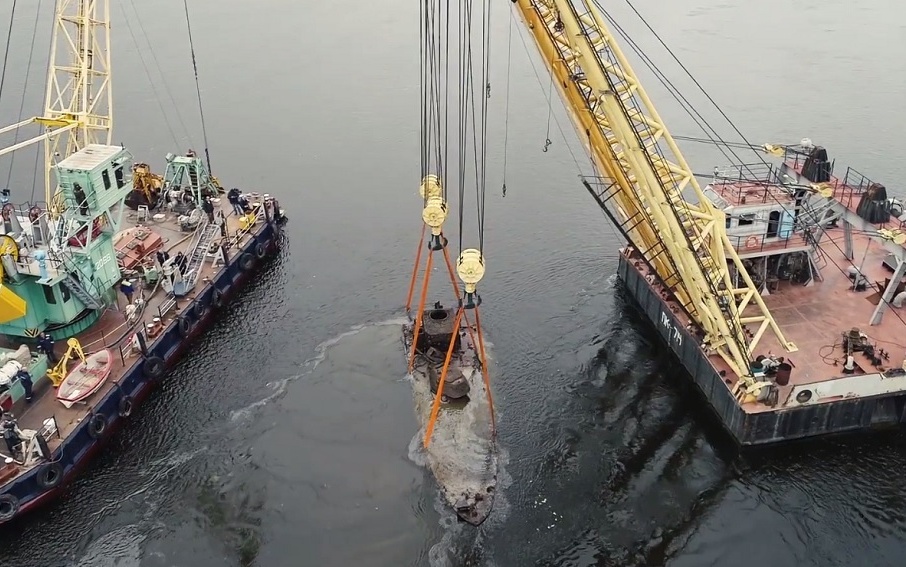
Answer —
814 317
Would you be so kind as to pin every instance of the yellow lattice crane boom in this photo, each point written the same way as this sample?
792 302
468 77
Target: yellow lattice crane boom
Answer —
645 175
78 109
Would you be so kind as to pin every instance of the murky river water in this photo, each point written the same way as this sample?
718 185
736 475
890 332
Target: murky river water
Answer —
284 438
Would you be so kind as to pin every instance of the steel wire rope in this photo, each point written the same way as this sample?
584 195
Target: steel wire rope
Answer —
153 54
745 140
141 58
9 37
204 130
31 53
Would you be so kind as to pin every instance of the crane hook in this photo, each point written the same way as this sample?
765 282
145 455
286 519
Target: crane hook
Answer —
547 144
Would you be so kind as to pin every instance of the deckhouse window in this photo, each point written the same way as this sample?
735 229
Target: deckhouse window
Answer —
746 219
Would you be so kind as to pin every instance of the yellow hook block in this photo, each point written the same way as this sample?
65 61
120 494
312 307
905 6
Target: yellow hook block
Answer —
434 214
470 268
431 187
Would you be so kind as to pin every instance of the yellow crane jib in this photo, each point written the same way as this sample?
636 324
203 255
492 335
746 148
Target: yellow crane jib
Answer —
58 373
685 242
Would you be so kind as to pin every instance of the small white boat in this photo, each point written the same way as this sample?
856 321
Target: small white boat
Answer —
86 378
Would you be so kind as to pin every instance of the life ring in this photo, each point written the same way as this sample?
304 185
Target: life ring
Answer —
216 298
260 250
185 327
199 309
154 368
752 242
50 475
125 407
246 262
97 424
9 505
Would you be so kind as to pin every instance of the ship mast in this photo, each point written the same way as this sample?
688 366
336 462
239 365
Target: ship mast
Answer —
78 105
644 176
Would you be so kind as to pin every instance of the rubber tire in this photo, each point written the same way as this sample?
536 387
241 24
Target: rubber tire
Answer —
260 250
216 298
184 326
125 406
13 506
246 262
199 309
97 425
154 368
50 476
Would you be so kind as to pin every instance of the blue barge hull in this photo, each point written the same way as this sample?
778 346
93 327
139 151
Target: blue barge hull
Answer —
78 448
762 428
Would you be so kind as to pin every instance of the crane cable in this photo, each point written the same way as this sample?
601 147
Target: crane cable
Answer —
9 36
434 55
479 154
204 130
506 112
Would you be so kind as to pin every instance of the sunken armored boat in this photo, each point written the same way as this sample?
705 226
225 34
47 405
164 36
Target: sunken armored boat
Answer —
462 454
438 329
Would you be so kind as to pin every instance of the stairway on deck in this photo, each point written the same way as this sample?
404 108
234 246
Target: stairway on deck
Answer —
198 251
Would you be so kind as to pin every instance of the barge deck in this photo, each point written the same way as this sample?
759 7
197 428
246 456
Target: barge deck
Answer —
849 372
145 342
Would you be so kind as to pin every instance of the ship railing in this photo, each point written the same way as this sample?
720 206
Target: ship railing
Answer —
236 238
846 189
795 156
27 264
747 183
50 428
746 173
758 243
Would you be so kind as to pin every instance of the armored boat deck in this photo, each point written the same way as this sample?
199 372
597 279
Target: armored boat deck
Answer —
818 391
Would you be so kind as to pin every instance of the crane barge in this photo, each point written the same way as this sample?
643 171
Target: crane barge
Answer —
780 326
177 252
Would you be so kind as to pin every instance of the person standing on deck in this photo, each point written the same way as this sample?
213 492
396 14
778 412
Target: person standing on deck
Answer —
208 208
45 345
233 198
127 289
11 433
25 379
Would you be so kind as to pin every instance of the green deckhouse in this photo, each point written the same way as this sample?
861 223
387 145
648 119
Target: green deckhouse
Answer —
63 271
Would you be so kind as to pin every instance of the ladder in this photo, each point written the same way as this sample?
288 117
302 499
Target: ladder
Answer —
76 285
198 250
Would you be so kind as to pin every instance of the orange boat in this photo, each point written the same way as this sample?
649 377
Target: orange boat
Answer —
86 378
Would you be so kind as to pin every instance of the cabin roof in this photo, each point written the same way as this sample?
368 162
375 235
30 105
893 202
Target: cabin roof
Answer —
90 157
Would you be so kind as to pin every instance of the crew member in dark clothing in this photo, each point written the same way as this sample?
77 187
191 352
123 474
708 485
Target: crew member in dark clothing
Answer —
25 379
11 434
180 262
162 256
208 207
127 289
244 205
233 198
45 345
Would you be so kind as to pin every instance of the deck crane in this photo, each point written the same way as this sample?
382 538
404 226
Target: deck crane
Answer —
78 108
644 176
